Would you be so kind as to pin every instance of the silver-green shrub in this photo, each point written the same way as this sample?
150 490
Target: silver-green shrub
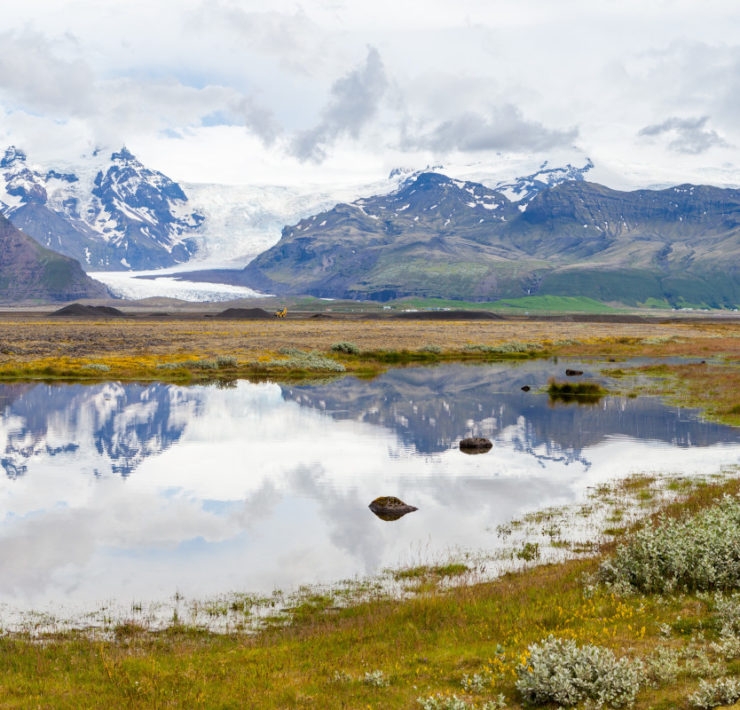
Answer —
728 615
701 552
377 679
452 702
505 348
205 364
433 349
97 367
300 360
170 365
345 347
226 361
559 671
723 691
475 683
664 665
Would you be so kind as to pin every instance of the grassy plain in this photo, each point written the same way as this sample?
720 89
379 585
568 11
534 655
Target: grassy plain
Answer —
186 350
381 652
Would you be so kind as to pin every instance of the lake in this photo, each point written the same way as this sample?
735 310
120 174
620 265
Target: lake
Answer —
124 492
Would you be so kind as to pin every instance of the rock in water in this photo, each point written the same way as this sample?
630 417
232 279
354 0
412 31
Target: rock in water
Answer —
390 508
573 373
526 388
475 445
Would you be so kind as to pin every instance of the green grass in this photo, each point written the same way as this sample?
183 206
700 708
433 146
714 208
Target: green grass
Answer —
555 304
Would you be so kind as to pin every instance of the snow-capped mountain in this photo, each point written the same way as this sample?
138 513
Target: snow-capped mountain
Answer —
523 189
438 236
109 213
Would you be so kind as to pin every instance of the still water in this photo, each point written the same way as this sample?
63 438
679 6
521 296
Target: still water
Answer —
130 492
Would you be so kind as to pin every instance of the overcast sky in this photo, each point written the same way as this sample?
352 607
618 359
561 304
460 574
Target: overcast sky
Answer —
329 90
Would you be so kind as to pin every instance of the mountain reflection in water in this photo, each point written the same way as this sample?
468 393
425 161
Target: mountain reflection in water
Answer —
114 491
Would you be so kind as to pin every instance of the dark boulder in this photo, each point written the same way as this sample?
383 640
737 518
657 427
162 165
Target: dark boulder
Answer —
526 388
475 445
573 373
390 508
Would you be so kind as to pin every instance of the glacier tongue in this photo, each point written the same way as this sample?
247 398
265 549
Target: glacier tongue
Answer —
127 284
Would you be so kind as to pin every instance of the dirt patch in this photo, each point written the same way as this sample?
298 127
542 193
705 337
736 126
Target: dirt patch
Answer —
78 309
244 314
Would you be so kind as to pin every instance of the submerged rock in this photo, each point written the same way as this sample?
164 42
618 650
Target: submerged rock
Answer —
573 373
390 508
475 445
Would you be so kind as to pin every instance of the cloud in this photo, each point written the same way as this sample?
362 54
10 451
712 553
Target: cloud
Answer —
258 119
41 77
689 135
504 128
354 102
33 75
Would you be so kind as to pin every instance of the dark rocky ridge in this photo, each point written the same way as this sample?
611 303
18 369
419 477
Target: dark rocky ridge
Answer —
28 271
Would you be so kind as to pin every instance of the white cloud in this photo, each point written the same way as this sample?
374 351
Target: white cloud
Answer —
353 102
466 77
502 129
687 135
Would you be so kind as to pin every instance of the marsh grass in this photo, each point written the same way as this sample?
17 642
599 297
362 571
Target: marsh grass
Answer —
578 392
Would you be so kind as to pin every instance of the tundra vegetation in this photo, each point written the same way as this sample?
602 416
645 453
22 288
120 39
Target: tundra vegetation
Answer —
633 613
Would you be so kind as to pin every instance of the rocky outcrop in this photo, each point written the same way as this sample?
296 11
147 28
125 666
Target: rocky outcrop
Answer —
29 272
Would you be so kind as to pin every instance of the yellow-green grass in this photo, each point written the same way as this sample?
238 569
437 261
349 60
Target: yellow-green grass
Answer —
713 387
422 645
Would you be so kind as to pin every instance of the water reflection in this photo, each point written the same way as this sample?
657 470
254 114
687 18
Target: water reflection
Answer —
134 492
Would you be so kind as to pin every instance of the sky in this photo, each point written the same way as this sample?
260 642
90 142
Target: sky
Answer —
227 91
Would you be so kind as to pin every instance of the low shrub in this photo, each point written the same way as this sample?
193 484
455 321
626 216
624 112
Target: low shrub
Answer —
698 553
170 365
505 348
205 364
433 349
559 671
664 665
452 702
300 360
226 361
377 679
96 367
345 347
723 691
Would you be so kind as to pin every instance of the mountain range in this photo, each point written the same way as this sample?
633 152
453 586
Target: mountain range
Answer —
551 233
109 213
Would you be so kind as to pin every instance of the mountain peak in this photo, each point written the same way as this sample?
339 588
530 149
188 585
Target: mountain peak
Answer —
524 188
124 155
12 156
